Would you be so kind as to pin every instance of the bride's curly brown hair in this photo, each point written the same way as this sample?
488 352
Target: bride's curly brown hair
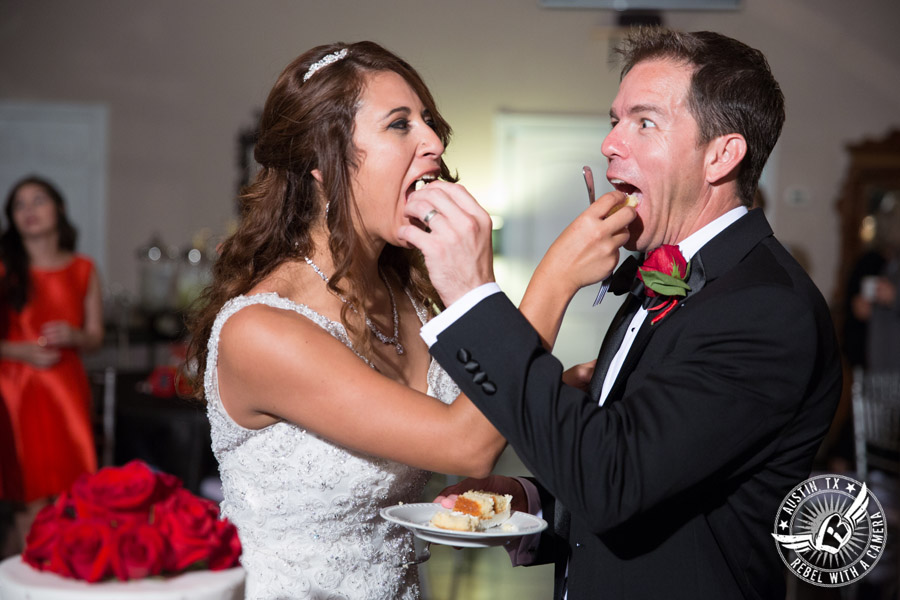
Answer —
305 126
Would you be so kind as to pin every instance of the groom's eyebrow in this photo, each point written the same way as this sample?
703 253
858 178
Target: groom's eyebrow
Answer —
639 109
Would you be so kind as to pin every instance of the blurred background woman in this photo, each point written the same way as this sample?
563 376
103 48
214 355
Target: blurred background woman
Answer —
51 304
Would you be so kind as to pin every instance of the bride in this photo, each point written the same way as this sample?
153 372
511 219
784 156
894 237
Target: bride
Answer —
324 403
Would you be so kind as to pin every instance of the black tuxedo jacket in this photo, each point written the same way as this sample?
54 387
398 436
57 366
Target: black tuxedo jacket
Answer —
671 489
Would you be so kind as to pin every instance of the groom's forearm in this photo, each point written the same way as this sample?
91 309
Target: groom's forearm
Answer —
499 362
477 351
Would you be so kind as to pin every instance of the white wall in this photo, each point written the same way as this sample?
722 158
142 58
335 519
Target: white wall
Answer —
181 78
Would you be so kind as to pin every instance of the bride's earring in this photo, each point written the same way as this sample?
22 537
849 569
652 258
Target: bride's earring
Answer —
327 206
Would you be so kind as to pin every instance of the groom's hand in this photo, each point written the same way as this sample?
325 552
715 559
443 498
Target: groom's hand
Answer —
498 484
455 238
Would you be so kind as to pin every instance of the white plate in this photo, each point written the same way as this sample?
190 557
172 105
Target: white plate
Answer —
416 517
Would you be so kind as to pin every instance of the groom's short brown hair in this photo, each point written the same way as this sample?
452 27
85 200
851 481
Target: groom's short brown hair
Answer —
732 90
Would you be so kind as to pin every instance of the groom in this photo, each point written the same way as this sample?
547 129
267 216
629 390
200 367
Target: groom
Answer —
664 479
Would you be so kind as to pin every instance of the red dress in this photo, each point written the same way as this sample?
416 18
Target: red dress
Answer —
48 410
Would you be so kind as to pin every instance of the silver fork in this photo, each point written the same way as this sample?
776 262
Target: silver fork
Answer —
589 182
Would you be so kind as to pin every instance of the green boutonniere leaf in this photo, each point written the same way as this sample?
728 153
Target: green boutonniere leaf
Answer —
665 285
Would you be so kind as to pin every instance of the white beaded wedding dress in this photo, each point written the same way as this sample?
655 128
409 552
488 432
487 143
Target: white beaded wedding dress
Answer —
307 509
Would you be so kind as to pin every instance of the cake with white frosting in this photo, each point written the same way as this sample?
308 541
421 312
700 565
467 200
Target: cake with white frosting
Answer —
474 511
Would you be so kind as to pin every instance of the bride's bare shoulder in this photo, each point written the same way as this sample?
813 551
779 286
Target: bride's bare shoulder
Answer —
261 327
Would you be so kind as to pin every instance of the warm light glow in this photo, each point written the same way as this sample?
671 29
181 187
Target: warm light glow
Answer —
867 229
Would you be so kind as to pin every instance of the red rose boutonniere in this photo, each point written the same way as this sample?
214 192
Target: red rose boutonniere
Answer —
665 274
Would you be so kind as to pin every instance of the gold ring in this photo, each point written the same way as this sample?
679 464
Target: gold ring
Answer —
430 215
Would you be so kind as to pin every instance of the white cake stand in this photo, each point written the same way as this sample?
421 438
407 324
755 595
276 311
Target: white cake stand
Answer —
18 581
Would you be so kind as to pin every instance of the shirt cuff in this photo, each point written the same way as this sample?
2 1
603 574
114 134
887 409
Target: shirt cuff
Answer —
433 328
524 554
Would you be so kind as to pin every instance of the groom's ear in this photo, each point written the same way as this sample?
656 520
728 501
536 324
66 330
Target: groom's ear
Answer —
724 156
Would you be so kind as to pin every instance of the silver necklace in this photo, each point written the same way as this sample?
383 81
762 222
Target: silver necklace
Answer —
393 340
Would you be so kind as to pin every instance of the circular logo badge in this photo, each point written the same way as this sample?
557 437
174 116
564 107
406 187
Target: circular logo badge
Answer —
830 530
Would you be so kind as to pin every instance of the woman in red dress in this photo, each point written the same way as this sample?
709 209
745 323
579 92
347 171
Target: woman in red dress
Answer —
51 311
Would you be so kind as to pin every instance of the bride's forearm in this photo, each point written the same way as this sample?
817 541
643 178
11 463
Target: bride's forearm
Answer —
477 443
545 302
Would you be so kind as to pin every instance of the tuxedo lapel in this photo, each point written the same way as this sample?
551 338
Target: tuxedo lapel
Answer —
714 259
726 250
623 279
611 343
696 281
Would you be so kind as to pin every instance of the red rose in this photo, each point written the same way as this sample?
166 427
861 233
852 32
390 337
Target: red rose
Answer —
127 491
138 551
66 504
188 523
165 485
664 272
227 547
131 523
42 536
82 550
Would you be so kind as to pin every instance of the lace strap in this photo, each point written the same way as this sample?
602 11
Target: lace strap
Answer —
421 310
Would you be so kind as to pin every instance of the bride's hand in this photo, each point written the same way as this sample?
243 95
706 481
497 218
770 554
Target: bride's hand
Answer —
587 251
579 376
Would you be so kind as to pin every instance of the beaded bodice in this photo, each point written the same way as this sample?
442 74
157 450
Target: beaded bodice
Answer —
307 509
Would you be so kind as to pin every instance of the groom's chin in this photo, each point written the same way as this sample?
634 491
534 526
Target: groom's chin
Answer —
631 244
635 229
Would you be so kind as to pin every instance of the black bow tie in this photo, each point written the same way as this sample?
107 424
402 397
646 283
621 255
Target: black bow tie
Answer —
624 279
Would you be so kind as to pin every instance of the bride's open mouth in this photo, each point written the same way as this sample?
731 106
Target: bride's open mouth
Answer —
415 186
420 183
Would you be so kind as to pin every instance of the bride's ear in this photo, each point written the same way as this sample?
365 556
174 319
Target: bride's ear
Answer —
317 175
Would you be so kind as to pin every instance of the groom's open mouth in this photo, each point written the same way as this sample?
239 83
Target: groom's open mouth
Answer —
633 195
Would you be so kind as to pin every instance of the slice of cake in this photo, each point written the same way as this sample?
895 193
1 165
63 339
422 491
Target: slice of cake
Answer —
630 200
474 511
454 520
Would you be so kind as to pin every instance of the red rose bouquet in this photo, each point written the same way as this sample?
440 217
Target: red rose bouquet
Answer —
130 522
